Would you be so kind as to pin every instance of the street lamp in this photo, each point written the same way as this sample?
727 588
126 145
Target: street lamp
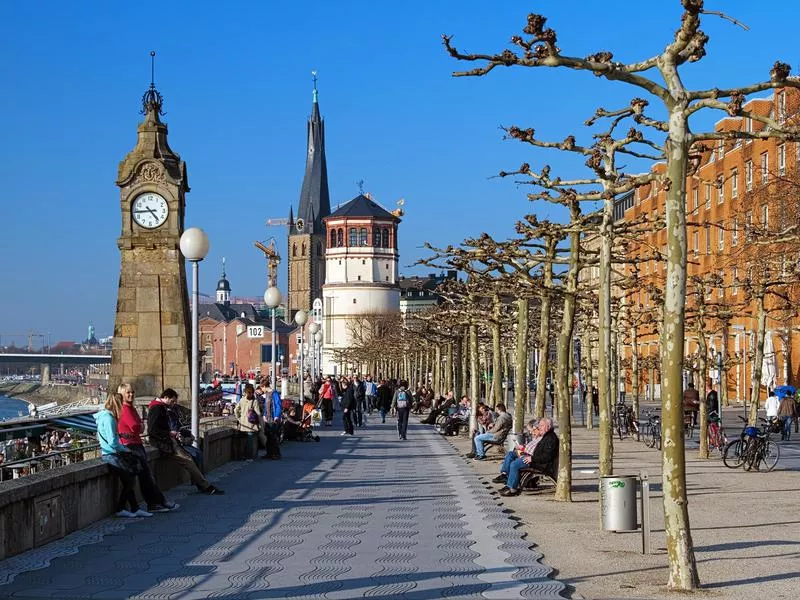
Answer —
194 247
300 318
318 340
313 329
272 298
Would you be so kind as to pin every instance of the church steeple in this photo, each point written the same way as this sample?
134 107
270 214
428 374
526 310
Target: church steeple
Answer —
315 203
223 288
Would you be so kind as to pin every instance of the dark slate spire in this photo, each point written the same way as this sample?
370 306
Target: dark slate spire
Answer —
315 202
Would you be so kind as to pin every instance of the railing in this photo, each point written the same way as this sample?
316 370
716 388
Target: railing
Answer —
46 462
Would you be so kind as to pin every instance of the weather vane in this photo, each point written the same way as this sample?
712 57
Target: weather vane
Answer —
152 68
314 78
152 99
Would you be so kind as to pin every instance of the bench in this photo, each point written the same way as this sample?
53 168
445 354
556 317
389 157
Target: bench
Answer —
528 476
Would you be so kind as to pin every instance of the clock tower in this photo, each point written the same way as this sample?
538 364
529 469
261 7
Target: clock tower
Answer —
307 241
151 332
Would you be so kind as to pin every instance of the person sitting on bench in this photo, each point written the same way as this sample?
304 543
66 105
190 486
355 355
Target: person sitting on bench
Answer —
540 454
439 407
496 434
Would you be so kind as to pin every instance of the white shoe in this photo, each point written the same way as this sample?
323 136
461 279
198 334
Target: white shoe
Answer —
142 513
343 433
125 514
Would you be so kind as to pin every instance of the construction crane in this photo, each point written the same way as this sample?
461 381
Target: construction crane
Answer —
30 335
273 260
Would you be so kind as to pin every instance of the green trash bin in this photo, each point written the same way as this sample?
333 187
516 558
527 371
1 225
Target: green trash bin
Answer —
618 503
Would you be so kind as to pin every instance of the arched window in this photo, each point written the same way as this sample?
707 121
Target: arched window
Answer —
340 237
386 238
294 249
353 237
362 236
303 249
376 237
333 238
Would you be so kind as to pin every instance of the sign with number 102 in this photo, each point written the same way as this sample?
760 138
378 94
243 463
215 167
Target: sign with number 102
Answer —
255 331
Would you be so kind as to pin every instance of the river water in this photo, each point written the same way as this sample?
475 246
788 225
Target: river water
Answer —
11 408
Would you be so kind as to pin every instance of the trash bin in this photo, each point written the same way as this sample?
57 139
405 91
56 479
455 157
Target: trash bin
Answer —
618 503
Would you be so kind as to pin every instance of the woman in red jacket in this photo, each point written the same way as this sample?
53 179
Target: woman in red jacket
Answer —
130 430
327 392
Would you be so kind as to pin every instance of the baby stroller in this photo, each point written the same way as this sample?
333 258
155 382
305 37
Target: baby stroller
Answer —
301 430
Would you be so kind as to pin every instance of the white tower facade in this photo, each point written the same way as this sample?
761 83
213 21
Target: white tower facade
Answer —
361 273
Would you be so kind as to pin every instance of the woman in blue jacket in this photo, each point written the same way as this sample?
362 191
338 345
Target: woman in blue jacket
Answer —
113 454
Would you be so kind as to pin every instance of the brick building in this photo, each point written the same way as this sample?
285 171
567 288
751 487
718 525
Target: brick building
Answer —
732 199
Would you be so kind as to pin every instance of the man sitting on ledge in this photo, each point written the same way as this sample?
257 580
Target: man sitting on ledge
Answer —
497 433
540 453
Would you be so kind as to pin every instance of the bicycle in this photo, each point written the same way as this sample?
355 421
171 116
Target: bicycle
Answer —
624 421
688 424
717 440
652 429
753 448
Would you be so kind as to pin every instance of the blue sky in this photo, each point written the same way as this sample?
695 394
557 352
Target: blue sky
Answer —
237 87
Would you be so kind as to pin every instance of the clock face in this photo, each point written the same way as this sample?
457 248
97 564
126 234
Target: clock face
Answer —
299 224
150 210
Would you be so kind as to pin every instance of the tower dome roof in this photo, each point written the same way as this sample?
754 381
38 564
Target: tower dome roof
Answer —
223 285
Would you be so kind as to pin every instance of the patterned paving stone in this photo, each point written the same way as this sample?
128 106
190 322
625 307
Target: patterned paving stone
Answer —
365 516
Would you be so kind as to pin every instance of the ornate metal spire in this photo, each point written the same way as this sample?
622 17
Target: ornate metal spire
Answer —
152 100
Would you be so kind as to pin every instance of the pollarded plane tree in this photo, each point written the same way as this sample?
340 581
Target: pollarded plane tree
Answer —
659 77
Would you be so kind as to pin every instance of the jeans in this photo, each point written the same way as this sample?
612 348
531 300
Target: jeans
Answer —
348 422
479 440
273 433
152 495
371 403
787 428
402 421
511 466
327 409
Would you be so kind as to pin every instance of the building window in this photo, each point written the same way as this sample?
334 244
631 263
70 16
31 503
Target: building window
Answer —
696 242
735 232
781 107
721 191
387 278
782 160
721 239
359 277
708 196
748 124
735 183
386 238
735 282
353 239
720 149
294 250
708 239
333 238
376 237
362 237
748 175
695 198
765 216
748 225
340 237
303 249
354 300
721 288
764 166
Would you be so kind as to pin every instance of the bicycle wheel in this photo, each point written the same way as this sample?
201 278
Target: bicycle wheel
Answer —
769 456
658 439
648 437
732 455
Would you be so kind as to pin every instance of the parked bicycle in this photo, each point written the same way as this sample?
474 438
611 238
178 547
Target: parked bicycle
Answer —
753 449
652 429
624 421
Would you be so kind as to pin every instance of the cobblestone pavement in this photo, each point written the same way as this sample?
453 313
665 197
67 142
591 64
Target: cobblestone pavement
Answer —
362 516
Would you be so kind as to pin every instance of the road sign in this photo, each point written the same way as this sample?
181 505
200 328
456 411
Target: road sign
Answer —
255 331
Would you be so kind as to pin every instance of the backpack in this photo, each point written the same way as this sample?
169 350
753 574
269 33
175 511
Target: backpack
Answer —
402 399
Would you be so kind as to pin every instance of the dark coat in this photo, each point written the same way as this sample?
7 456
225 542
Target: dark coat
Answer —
545 455
385 398
349 398
158 427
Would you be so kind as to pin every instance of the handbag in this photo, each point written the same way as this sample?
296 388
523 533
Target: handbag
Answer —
127 462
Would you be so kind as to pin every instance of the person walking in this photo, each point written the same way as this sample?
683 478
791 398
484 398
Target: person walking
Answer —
121 460
273 410
787 412
348 405
401 402
371 393
384 399
771 406
248 415
327 393
130 428
163 438
361 398
691 402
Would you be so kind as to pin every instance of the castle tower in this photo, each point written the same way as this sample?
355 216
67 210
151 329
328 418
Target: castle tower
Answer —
306 249
361 286
223 288
151 332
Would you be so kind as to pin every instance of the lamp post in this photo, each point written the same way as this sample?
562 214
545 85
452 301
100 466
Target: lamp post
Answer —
313 329
300 318
194 247
272 298
318 340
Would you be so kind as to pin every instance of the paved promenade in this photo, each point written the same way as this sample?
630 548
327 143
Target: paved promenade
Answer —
363 516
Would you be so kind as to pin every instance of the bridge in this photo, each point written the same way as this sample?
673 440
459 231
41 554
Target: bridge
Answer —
56 359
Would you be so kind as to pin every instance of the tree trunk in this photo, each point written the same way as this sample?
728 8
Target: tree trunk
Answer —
474 378
497 391
680 549
544 328
586 346
723 370
758 360
437 369
464 363
521 367
564 376
606 451
635 371
448 380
